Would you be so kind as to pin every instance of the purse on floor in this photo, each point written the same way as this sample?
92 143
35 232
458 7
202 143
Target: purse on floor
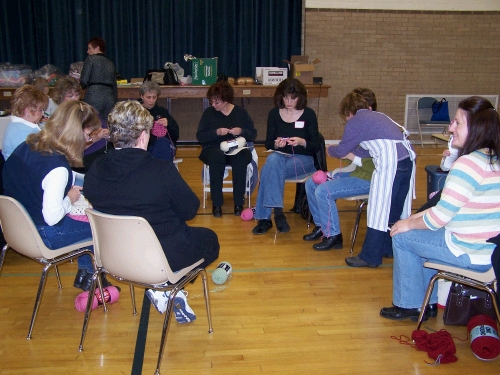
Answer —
465 302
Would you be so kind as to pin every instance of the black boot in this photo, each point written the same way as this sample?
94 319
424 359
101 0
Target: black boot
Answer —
314 235
328 243
80 279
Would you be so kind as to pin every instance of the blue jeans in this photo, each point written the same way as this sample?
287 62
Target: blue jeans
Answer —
162 149
276 170
410 277
321 199
379 243
68 232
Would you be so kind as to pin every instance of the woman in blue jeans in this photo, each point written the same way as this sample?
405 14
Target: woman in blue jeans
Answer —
322 201
292 135
38 174
455 231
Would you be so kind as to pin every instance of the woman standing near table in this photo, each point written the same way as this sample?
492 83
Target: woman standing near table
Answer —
99 78
292 133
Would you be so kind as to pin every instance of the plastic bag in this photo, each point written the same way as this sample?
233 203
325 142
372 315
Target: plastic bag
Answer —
50 72
14 75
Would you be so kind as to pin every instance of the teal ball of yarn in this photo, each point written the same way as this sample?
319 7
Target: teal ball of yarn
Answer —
219 276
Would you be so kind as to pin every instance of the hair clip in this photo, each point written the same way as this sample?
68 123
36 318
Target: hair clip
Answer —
81 106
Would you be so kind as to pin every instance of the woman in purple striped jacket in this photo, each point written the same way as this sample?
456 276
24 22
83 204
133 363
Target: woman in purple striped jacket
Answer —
457 229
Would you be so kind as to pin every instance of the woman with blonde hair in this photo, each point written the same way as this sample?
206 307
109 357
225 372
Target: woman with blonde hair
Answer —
151 188
27 105
38 174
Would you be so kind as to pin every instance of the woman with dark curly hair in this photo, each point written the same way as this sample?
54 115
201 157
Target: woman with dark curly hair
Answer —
224 121
292 133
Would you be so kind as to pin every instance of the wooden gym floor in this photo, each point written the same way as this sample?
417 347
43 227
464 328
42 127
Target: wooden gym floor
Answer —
286 310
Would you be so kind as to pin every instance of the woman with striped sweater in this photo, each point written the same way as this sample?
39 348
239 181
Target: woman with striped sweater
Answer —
457 229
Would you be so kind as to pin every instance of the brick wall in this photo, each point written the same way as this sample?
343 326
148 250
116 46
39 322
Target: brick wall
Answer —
401 52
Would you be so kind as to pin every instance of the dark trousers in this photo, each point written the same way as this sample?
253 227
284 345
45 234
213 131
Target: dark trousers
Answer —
379 243
217 161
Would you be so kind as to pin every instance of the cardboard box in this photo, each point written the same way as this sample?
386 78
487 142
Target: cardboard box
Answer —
204 71
302 69
270 75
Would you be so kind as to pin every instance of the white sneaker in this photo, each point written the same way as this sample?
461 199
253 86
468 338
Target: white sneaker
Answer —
183 313
159 299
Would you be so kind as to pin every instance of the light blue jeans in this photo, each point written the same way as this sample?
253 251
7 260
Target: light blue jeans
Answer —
276 170
321 199
68 232
410 277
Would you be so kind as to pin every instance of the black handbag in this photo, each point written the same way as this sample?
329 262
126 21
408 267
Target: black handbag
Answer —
465 302
162 76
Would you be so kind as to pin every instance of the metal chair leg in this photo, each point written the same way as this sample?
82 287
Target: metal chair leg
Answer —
361 205
132 295
58 277
39 293
426 299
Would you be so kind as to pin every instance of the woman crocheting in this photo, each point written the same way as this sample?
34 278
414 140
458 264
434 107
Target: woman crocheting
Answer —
292 133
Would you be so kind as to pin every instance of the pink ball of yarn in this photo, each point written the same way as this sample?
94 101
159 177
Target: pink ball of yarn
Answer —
247 214
319 177
112 294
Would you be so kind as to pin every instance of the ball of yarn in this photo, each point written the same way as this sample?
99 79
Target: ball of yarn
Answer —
484 340
247 214
158 130
111 294
319 177
219 276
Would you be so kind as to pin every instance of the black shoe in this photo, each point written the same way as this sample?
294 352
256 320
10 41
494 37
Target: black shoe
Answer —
217 211
80 279
263 226
432 310
105 282
358 262
399 313
327 243
281 223
238 210
314 235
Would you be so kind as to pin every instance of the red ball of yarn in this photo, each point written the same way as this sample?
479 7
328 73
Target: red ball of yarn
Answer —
484 340
436 344
319 177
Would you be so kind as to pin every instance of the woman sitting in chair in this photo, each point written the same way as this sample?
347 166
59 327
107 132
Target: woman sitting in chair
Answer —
292 133
130 181
457 229
165 131
38 174
223 122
